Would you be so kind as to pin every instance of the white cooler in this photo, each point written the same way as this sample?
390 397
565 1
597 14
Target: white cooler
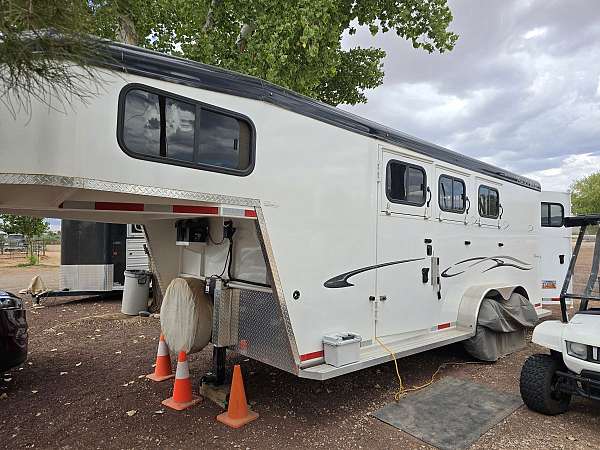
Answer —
341 348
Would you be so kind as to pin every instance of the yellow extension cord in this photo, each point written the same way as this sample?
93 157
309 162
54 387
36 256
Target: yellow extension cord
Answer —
402 391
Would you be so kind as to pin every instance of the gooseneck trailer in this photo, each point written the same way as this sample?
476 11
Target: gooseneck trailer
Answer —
305 221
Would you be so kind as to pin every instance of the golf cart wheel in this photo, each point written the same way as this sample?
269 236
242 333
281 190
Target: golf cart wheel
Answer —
538 386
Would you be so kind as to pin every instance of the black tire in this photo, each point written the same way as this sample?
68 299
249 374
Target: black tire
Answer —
538 379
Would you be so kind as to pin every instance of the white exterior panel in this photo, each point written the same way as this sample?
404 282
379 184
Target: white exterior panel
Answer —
318 197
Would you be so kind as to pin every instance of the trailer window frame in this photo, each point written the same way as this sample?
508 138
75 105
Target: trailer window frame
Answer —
199 105
388 179
498 205
453 179
549 205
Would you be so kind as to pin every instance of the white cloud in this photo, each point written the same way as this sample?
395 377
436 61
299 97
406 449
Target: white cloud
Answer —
519 90
535 32
572 168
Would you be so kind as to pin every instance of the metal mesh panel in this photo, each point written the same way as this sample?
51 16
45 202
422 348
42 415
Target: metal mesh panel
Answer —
262 334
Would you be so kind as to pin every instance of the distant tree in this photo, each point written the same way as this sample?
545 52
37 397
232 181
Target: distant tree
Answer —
29 227
585 195
51 237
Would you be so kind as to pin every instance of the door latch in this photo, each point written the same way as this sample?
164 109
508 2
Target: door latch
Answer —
382 298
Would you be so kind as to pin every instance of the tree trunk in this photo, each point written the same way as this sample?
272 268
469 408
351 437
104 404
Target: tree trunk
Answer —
126 32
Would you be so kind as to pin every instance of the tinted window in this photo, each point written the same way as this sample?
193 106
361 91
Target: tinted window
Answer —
552 214
445 193
165 128
141 123
489 202
405 183
451 194
180 125
458 195
224 141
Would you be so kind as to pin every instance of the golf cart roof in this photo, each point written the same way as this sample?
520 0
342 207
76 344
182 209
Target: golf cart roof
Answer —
579 221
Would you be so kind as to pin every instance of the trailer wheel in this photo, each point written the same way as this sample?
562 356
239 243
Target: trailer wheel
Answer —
538 386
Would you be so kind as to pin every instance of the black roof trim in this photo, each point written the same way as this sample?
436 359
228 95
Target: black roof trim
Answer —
147 63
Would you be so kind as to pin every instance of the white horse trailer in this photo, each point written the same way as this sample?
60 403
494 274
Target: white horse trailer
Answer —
307 220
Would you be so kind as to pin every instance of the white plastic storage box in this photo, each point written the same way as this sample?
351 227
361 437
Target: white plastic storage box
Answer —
341 348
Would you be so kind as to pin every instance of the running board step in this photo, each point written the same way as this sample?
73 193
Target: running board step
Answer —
543 313
376 354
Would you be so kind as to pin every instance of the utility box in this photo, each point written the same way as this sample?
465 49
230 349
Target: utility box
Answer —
341 348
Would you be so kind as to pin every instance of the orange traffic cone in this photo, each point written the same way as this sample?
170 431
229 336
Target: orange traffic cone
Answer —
182 389
162 369
238 414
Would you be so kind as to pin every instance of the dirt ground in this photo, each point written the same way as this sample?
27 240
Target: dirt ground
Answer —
83 376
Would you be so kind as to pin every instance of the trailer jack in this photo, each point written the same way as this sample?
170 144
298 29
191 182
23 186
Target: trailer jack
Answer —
213 384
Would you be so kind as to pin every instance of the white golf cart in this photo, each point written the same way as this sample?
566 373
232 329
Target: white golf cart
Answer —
573 366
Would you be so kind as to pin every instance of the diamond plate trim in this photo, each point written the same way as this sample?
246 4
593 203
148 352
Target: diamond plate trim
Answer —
265 242
225 316
261 334
110 186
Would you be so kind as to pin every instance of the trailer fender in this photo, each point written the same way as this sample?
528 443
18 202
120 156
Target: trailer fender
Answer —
468 311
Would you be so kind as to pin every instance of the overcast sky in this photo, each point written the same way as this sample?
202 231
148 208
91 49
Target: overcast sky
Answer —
521 89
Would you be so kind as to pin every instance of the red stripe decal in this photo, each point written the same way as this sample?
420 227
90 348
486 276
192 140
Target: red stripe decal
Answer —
441 326
111 206
189 209
556 299
312 355
537 305
250 213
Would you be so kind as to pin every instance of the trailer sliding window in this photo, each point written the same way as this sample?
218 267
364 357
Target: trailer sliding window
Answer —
405 183
553 214
166 128
451 194
489 202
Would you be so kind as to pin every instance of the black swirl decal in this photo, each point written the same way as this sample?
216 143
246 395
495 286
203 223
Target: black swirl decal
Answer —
496 261
341 281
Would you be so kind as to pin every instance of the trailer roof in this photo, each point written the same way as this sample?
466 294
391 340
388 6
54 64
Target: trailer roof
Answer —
147 63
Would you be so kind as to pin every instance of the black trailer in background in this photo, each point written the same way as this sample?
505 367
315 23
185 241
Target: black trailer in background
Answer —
87 243
94 257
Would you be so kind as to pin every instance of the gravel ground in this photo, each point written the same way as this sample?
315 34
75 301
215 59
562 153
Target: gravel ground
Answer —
81 379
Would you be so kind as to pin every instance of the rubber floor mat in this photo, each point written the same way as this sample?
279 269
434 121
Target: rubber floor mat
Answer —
449 414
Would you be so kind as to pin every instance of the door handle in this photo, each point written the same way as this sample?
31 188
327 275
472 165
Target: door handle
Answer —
382 298
561 258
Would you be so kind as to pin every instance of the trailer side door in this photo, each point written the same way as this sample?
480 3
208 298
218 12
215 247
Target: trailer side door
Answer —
404 301
555 243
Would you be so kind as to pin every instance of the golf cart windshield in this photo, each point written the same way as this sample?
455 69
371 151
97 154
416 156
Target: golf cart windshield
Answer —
585 289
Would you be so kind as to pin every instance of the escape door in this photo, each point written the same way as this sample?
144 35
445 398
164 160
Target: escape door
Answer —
405 300
555 243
